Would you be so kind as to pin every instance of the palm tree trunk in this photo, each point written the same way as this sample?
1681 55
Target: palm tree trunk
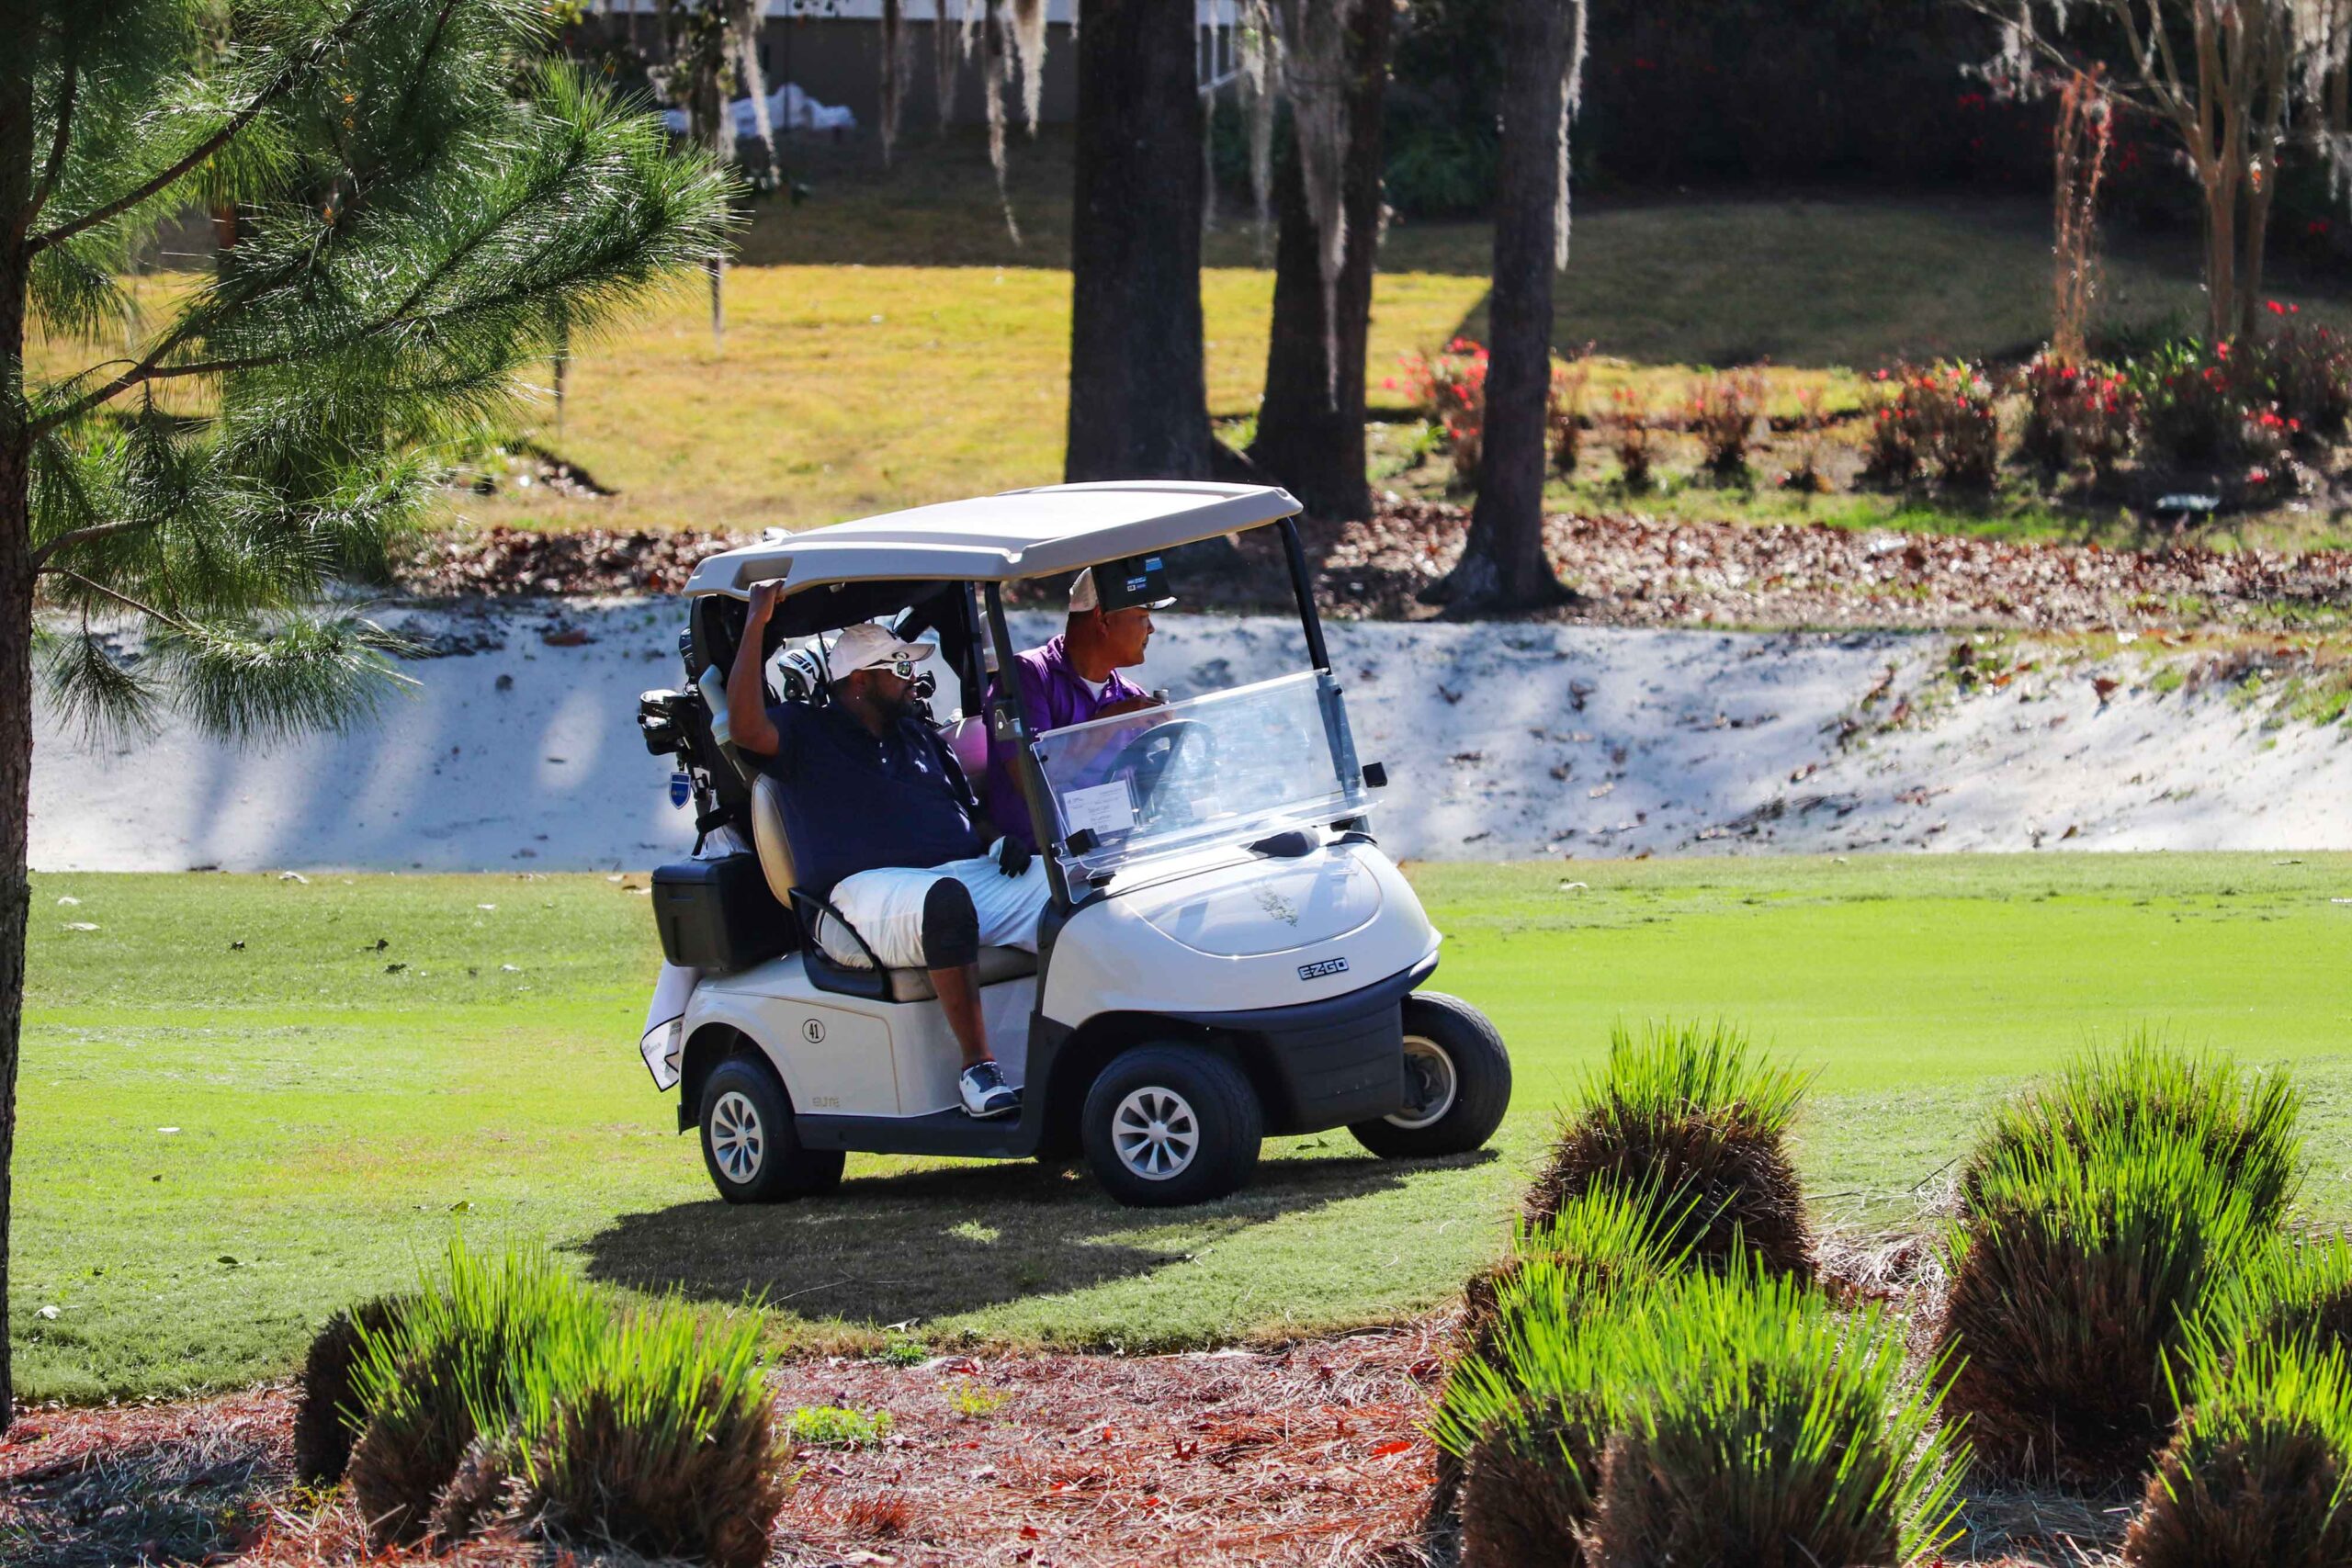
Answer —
1138 394
1310 424
16 646
1503 566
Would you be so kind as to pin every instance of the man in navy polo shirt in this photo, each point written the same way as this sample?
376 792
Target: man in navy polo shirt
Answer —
880 821
1075 677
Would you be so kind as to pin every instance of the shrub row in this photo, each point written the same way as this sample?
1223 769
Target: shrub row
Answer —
506 1392
2180 401
1651 1376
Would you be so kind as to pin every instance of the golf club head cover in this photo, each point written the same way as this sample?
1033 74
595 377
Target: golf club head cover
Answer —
950 926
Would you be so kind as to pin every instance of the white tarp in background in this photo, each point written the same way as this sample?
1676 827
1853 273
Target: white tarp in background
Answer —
789 108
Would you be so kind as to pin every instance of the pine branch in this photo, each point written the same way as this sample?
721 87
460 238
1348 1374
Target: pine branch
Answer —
431 48
127 602
56 165
73 537
157 184
152 369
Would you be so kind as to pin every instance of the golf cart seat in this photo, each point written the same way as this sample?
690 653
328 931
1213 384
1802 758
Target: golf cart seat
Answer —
968 740
869 979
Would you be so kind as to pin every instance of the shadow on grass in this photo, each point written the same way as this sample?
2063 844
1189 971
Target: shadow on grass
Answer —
936 1243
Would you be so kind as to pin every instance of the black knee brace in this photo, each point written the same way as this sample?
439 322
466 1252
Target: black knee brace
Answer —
951 927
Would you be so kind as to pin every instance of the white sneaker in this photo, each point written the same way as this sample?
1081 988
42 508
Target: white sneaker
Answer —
985 1092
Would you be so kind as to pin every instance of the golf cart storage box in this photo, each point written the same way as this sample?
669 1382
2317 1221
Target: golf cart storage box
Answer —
718 914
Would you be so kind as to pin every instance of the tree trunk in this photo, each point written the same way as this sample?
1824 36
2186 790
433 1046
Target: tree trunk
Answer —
1503 566
16 635
1308 438
2254 232
1138 394
2221 257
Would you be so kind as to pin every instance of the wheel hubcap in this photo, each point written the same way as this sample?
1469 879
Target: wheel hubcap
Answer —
1429 1085
1155 1133
737 1139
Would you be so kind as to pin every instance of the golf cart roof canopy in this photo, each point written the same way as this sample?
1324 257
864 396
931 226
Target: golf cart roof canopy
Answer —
998 538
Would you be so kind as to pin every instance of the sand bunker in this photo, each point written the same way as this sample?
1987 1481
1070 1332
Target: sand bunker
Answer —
518 749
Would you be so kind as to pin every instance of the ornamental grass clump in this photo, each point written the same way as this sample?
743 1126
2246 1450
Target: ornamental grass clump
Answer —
1607 1238
1710 1418
2257 1476
2242 1121
657 1434
1772 1430
327 1418
449 1370
1692 1117
509 1393
2297 1287
1603 1244
2076 1269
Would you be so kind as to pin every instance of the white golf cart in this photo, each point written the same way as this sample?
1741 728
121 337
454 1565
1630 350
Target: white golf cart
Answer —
1227 954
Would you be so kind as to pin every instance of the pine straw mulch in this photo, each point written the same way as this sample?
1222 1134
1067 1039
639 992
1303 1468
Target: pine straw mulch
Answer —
1310 1454
1629 569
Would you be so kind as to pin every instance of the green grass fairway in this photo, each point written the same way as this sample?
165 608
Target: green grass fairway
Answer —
220 1143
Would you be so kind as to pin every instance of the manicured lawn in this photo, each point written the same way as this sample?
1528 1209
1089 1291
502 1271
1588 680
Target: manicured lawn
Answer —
222 1144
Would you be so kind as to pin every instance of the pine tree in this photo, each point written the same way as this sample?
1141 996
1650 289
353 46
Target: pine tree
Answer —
418 205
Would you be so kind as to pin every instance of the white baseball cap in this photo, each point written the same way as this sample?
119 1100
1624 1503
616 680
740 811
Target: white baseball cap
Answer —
869 646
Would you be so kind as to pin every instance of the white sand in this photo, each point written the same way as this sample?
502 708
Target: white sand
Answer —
1501 743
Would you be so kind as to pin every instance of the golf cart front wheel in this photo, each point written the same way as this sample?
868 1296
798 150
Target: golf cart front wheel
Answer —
748 1143
1171 1124
1457 1083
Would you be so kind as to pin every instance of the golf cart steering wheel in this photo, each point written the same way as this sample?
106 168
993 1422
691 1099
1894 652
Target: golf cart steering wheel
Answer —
1146 758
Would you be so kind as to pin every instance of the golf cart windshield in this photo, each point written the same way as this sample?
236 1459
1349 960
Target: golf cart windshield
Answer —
1226 768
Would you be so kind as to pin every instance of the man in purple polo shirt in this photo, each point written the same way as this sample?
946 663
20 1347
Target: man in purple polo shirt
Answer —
1075 677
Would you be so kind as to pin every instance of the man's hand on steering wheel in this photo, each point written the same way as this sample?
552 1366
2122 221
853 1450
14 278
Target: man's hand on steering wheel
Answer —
1012 857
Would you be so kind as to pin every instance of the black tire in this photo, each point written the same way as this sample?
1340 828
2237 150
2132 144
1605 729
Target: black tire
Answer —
748 1143
1207 1094
1444 1035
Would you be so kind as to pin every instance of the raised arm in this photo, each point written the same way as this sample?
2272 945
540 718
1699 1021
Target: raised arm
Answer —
747 698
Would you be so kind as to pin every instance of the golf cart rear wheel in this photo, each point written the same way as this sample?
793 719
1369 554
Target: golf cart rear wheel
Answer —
1457 1083
1171 1124
748 1143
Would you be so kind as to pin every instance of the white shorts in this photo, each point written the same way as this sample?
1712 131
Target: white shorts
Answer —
886 905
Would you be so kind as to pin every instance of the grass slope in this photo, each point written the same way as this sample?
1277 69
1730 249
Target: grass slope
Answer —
337 1106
